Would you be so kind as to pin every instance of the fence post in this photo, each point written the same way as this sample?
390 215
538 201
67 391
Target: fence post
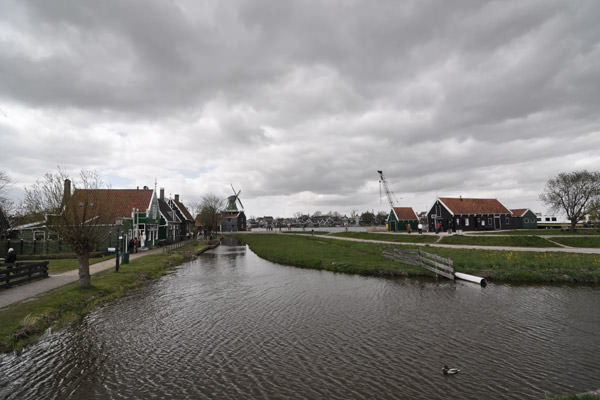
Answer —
21 252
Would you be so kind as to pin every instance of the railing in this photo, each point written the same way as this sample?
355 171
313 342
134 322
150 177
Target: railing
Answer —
169 248
12 274
432 262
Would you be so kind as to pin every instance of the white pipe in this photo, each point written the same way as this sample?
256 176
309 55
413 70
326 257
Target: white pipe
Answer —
470 278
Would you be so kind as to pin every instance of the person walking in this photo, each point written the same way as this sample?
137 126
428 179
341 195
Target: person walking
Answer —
11 257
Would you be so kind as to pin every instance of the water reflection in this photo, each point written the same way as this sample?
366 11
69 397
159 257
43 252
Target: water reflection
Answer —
231 325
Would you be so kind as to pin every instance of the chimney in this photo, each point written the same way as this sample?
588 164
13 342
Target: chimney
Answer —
460 197
162 194
66 192
177 197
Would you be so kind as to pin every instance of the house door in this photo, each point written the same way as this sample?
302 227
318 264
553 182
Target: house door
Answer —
497 222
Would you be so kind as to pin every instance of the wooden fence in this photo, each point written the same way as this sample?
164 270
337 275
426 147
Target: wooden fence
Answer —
12 274
432 262
169 248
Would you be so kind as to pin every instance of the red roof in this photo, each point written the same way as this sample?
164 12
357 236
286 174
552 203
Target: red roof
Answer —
119 201
474 206
518 212
405 213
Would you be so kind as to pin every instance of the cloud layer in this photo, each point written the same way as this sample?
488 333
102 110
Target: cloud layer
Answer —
300 102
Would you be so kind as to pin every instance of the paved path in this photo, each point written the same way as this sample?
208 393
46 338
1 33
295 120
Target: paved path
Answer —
29 291
581 250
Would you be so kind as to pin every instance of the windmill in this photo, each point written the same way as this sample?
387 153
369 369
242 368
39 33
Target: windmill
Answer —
233 200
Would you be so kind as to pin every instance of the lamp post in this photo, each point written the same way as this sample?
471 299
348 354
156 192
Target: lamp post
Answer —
118 248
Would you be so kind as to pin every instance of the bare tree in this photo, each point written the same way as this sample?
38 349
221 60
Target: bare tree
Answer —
210 206
81 218
572 192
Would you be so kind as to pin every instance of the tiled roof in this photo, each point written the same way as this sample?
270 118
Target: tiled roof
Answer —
184 210
405 213
119 201
166 211
474 206
518 212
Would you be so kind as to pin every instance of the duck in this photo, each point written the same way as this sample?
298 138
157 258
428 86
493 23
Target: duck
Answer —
450 371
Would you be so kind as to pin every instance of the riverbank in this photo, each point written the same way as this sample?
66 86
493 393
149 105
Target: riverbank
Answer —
22 323
366 258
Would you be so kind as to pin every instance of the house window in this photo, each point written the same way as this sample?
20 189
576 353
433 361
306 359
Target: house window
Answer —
539 219
482 222
507 221
547 219
490 221
553 219
467 221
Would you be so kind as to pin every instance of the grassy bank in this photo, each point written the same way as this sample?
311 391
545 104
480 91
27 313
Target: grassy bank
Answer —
389 237
514 241
366 258
22 323
330 254
542 232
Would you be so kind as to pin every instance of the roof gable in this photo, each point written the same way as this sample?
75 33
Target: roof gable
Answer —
474 206
405 213
183 210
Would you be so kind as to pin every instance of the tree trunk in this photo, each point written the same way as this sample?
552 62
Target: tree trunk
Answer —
84 270
573 223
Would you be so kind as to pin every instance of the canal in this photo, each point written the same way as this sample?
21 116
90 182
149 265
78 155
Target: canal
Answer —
230 325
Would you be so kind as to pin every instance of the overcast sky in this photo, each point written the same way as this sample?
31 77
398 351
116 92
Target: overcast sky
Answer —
299 103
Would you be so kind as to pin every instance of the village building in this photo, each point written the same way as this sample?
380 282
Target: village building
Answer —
468 215
401 217
187 226
524 218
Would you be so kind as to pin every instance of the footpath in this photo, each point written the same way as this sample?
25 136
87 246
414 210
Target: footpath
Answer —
30 291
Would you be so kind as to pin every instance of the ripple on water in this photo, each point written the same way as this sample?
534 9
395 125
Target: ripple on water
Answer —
231 325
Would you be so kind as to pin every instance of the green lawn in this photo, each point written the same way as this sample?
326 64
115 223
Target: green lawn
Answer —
541 232
515 241
582 241
366 258
389 237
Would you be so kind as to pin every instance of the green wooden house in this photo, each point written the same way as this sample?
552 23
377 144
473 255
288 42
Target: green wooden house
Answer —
524 218
400 217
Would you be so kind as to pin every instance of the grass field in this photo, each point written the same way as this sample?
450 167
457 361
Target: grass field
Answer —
514 241
22 323
541 232
389 237
583 241
366 258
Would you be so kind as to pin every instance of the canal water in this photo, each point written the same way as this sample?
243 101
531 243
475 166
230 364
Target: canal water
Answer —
233 326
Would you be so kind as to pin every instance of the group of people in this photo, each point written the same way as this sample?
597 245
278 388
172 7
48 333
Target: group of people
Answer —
419 227
133 245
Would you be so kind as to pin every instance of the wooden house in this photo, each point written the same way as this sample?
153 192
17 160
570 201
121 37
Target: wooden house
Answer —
524 218
400 217
468 215
188 223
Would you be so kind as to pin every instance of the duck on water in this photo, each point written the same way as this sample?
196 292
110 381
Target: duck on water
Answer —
450 371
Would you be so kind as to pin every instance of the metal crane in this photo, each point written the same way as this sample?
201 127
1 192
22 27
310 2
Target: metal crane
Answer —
390 195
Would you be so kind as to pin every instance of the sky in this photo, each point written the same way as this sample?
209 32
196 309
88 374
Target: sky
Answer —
298 103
